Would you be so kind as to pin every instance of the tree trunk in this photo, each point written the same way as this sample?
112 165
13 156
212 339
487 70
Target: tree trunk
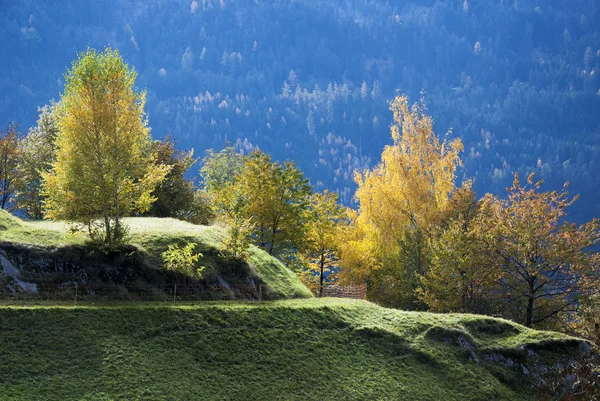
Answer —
116 231
107 237
5 188
530 301
529 317
272 244
271 248
322 263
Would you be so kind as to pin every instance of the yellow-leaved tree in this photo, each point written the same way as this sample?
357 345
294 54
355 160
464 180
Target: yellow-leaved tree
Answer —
103 169
401 199
323 217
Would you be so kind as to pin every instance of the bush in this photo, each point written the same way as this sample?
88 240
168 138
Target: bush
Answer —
184 263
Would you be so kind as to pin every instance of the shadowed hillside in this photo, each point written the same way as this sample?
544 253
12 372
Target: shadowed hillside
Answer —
44 254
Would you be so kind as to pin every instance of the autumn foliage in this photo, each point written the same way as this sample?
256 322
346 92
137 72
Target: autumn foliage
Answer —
401 201
421 241
10 154
546 264
103 168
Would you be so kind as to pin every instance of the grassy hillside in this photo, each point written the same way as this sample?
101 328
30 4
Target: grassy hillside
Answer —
8 222
66 257
319 349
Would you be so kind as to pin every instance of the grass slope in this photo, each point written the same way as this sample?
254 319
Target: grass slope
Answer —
318 349
8 222
152 236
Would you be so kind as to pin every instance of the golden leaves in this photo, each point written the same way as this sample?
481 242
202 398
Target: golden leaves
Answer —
103 169
415 178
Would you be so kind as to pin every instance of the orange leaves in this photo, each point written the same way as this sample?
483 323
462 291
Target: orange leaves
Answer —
545 260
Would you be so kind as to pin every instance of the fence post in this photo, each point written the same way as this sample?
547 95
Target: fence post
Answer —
260 293
174 292
75 293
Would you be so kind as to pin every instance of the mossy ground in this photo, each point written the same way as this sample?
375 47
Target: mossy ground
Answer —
317 349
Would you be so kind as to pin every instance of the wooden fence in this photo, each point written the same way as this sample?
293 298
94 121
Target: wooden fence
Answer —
355 291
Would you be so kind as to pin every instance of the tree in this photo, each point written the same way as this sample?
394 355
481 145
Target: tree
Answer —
175 194
277 201
357 255
323 216
38 153
461 277
219 169
364 90
217 175
187 60
103 168
310 123
546 262
239 224
10 154
585 322
201 211
588 57
258 199
221 185
402 198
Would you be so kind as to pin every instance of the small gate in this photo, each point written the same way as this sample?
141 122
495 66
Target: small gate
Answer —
354 291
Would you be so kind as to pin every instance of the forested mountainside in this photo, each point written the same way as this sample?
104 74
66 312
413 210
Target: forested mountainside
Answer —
310 80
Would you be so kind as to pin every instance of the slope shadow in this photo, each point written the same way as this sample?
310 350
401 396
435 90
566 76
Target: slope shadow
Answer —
130 273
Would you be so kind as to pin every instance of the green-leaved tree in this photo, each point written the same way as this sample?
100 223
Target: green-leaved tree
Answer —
104 169
323 218
175 194
37 156
277 201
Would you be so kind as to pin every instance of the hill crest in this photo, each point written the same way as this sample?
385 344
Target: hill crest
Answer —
46 257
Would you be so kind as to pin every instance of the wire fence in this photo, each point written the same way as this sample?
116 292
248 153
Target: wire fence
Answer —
354 291
75 292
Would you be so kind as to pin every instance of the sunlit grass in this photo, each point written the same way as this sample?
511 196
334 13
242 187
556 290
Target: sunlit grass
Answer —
315 349
302 349
153 236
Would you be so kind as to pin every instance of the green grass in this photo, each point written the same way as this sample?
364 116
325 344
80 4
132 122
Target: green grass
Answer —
317 349
8 221
43 233
304 349
152 236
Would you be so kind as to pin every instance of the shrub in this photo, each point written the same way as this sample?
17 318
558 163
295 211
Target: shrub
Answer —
184 263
